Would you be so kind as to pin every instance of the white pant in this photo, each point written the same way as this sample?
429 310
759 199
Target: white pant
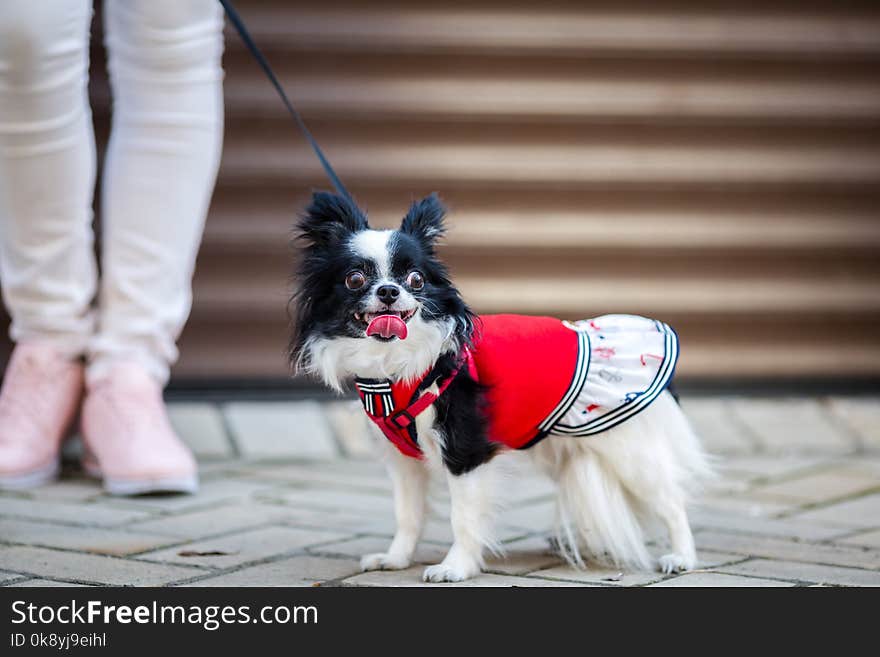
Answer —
160 168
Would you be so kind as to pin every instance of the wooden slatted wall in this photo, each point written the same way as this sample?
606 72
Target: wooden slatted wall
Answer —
712 164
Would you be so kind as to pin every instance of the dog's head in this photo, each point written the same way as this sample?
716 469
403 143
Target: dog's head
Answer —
373 303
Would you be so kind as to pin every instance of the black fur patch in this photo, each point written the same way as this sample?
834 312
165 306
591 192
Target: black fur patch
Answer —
415 248
323 307
462 419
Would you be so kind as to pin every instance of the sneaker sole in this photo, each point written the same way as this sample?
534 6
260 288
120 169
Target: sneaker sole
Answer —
37 477
188 484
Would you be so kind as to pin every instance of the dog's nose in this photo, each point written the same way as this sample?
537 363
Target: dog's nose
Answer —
388 293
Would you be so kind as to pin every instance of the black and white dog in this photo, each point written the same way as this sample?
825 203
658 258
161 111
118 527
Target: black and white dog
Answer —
452 392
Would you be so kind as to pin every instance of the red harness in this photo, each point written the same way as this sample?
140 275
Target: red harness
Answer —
525 363
378 398
540 376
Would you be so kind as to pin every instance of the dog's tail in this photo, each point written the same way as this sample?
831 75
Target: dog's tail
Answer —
595 512
613 486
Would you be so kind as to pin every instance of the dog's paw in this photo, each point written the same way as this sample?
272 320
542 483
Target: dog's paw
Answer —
383 561
443 572
676 563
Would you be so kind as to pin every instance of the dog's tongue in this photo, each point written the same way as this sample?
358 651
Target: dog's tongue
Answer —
386 326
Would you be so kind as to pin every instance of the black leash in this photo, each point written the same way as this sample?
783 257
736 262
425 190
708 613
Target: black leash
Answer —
239 25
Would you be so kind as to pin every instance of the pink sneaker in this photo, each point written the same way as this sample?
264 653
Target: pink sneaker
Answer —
38 401
128 438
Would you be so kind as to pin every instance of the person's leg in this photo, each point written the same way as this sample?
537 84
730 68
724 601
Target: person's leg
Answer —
162 161
47 171
47 268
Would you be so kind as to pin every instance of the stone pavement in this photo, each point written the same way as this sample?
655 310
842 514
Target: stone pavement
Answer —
292 496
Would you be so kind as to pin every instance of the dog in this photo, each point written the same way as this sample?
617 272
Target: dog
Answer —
449 391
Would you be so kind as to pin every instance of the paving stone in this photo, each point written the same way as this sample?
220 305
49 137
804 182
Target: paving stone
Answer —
209 470
521 563
362 475
744 504
72 487
333 498
8 577
524 556
413 577
94 513
350 522
705 558
217 520
598 575
36 582
859 512
338 469
869 539
861 415
768 518
726 486
301 570
243 547
765 468
90 568
521 481
264 430
806 572
539 542
716 425
351 428
791 425
529 490
779 527
211 493
83 539
821 486
714 580
775 548
426 553
440 531
535 517
201 427
713 559
868 462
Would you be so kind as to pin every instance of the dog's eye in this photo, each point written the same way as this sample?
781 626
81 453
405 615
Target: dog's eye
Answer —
415 280
355 280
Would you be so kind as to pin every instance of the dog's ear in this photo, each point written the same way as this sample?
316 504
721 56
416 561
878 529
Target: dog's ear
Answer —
424 221
329 217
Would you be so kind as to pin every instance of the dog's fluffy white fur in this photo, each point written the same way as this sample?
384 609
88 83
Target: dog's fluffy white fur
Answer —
612 489
334 360
611 486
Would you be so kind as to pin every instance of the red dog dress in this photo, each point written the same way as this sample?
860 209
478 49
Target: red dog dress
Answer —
543 377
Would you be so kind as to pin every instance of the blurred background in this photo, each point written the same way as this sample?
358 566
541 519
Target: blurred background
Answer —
711 164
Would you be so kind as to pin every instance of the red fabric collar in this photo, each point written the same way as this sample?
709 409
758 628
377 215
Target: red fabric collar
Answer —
398 425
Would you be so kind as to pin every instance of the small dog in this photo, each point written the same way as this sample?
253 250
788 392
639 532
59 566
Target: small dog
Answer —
452 391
